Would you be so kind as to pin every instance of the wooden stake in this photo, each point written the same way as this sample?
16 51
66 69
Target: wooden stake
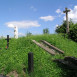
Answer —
30 62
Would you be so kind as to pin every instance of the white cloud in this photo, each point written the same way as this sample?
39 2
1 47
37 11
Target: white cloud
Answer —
47 18
57 26
11 25
58 11
72 14
23 24
33 8
21 34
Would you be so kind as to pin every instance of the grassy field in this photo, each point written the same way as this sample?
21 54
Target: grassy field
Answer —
16 57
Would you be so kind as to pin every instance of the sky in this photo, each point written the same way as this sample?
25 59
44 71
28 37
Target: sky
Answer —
34 15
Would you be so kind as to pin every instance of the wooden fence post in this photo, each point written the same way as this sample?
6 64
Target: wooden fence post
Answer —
30 62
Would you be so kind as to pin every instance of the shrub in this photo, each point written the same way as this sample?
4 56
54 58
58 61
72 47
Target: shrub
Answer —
46 31
61 28
73 32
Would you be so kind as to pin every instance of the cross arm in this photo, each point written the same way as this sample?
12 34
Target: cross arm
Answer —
66 11
7 39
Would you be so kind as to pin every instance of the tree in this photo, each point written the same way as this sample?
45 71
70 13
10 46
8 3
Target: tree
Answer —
29 33
62 28
73 32
46 31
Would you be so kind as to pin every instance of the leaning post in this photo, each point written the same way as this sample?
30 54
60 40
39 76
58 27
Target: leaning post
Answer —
30 62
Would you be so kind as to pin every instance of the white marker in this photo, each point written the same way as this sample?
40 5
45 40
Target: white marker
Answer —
15 32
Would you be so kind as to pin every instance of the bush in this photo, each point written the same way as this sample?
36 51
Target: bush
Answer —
61 28
72 30
73 33
46 31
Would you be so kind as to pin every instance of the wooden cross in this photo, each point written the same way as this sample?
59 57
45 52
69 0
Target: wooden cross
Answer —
8 40
66 11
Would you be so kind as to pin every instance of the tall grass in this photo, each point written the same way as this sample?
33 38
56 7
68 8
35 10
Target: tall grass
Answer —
16 57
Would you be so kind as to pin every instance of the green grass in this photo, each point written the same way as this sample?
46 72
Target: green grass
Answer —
16 57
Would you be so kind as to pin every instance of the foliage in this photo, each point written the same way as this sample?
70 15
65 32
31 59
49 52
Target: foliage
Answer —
73 32
46 31
16 57
62 28
29 33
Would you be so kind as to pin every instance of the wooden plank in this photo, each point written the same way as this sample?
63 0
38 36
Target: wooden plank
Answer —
51 46
45 48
